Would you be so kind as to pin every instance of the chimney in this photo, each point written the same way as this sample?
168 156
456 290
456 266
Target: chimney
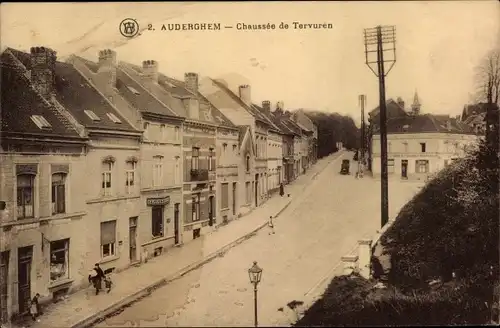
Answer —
287 114
150 69
191 81
43 64
106 74
266 104
246 94
401 102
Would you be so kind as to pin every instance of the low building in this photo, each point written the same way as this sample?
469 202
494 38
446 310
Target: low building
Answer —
421 145
42 156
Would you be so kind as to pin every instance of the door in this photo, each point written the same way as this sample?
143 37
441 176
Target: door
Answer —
211 210
256 190
176 223
234 198
4 289
133 239
25 255
404 168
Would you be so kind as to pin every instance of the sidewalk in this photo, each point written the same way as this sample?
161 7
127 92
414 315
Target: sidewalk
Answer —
84 308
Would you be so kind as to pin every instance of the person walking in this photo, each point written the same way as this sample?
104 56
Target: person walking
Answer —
282 190
271 225
96 276
108 283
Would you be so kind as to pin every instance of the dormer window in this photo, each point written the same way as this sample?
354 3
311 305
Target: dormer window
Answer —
41 122
91 115
248 163
133 90
114 118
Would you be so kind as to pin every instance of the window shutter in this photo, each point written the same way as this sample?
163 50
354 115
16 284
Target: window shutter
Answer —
213 163
108 232
187 165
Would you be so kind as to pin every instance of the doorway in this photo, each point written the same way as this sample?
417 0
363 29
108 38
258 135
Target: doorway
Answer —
256 190
211 211
234 198
196 233
176 223
25 258
4 287
404 169
132 232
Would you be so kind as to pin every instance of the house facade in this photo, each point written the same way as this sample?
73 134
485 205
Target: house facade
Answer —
311 137
422 145
158 180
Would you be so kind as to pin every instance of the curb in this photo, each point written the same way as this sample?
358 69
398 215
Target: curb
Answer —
129 300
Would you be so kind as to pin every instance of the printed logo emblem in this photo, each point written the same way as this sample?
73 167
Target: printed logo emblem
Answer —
129 27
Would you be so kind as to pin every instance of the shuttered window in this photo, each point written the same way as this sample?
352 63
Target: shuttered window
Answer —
108 238
224 196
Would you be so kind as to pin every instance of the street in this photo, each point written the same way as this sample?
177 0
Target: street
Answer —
312 234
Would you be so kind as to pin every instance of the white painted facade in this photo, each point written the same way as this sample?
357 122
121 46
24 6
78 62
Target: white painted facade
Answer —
275 169
423 154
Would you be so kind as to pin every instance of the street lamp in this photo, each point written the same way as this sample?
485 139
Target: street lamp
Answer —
255 274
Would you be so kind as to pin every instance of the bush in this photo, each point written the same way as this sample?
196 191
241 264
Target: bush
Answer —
451 226
352 301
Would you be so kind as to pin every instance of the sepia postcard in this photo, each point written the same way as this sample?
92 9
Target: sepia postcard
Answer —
249 163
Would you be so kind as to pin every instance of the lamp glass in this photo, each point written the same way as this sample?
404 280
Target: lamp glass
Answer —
255 273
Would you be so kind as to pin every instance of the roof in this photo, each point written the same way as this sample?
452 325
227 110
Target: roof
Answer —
175 105
250 109
474 119
76 94
178 88
426 124
243 131
292 125
474 109
280 122
20 101
389 103
265 116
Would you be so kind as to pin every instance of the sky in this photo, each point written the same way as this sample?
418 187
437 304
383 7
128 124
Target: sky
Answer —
438 46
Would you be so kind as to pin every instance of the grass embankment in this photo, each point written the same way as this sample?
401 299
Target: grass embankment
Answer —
449 234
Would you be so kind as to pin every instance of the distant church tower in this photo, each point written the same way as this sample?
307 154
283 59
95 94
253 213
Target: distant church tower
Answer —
415 107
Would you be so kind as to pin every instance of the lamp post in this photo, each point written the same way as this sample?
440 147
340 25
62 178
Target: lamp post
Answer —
255 274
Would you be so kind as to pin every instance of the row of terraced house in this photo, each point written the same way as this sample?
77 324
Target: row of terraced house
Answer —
112 163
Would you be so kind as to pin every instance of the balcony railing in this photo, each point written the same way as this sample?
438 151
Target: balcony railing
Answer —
199 175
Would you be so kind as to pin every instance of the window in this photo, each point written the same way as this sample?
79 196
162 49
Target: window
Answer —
91 115
114 118
41 122
107 168
195 208
25 195
133 90
157 221
163 134
257 148
177 170
235 147
177 133
157 171
422 147
131 166
58 193
389 147
195 158
211 164
248 192
248 163
146 129
422 166
224 196
108 238
59 260
390 166
224 146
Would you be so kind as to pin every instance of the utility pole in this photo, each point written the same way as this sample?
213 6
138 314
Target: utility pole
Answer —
376 38
362 102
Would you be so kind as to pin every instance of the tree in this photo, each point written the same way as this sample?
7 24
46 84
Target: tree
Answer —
333 128
488 79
